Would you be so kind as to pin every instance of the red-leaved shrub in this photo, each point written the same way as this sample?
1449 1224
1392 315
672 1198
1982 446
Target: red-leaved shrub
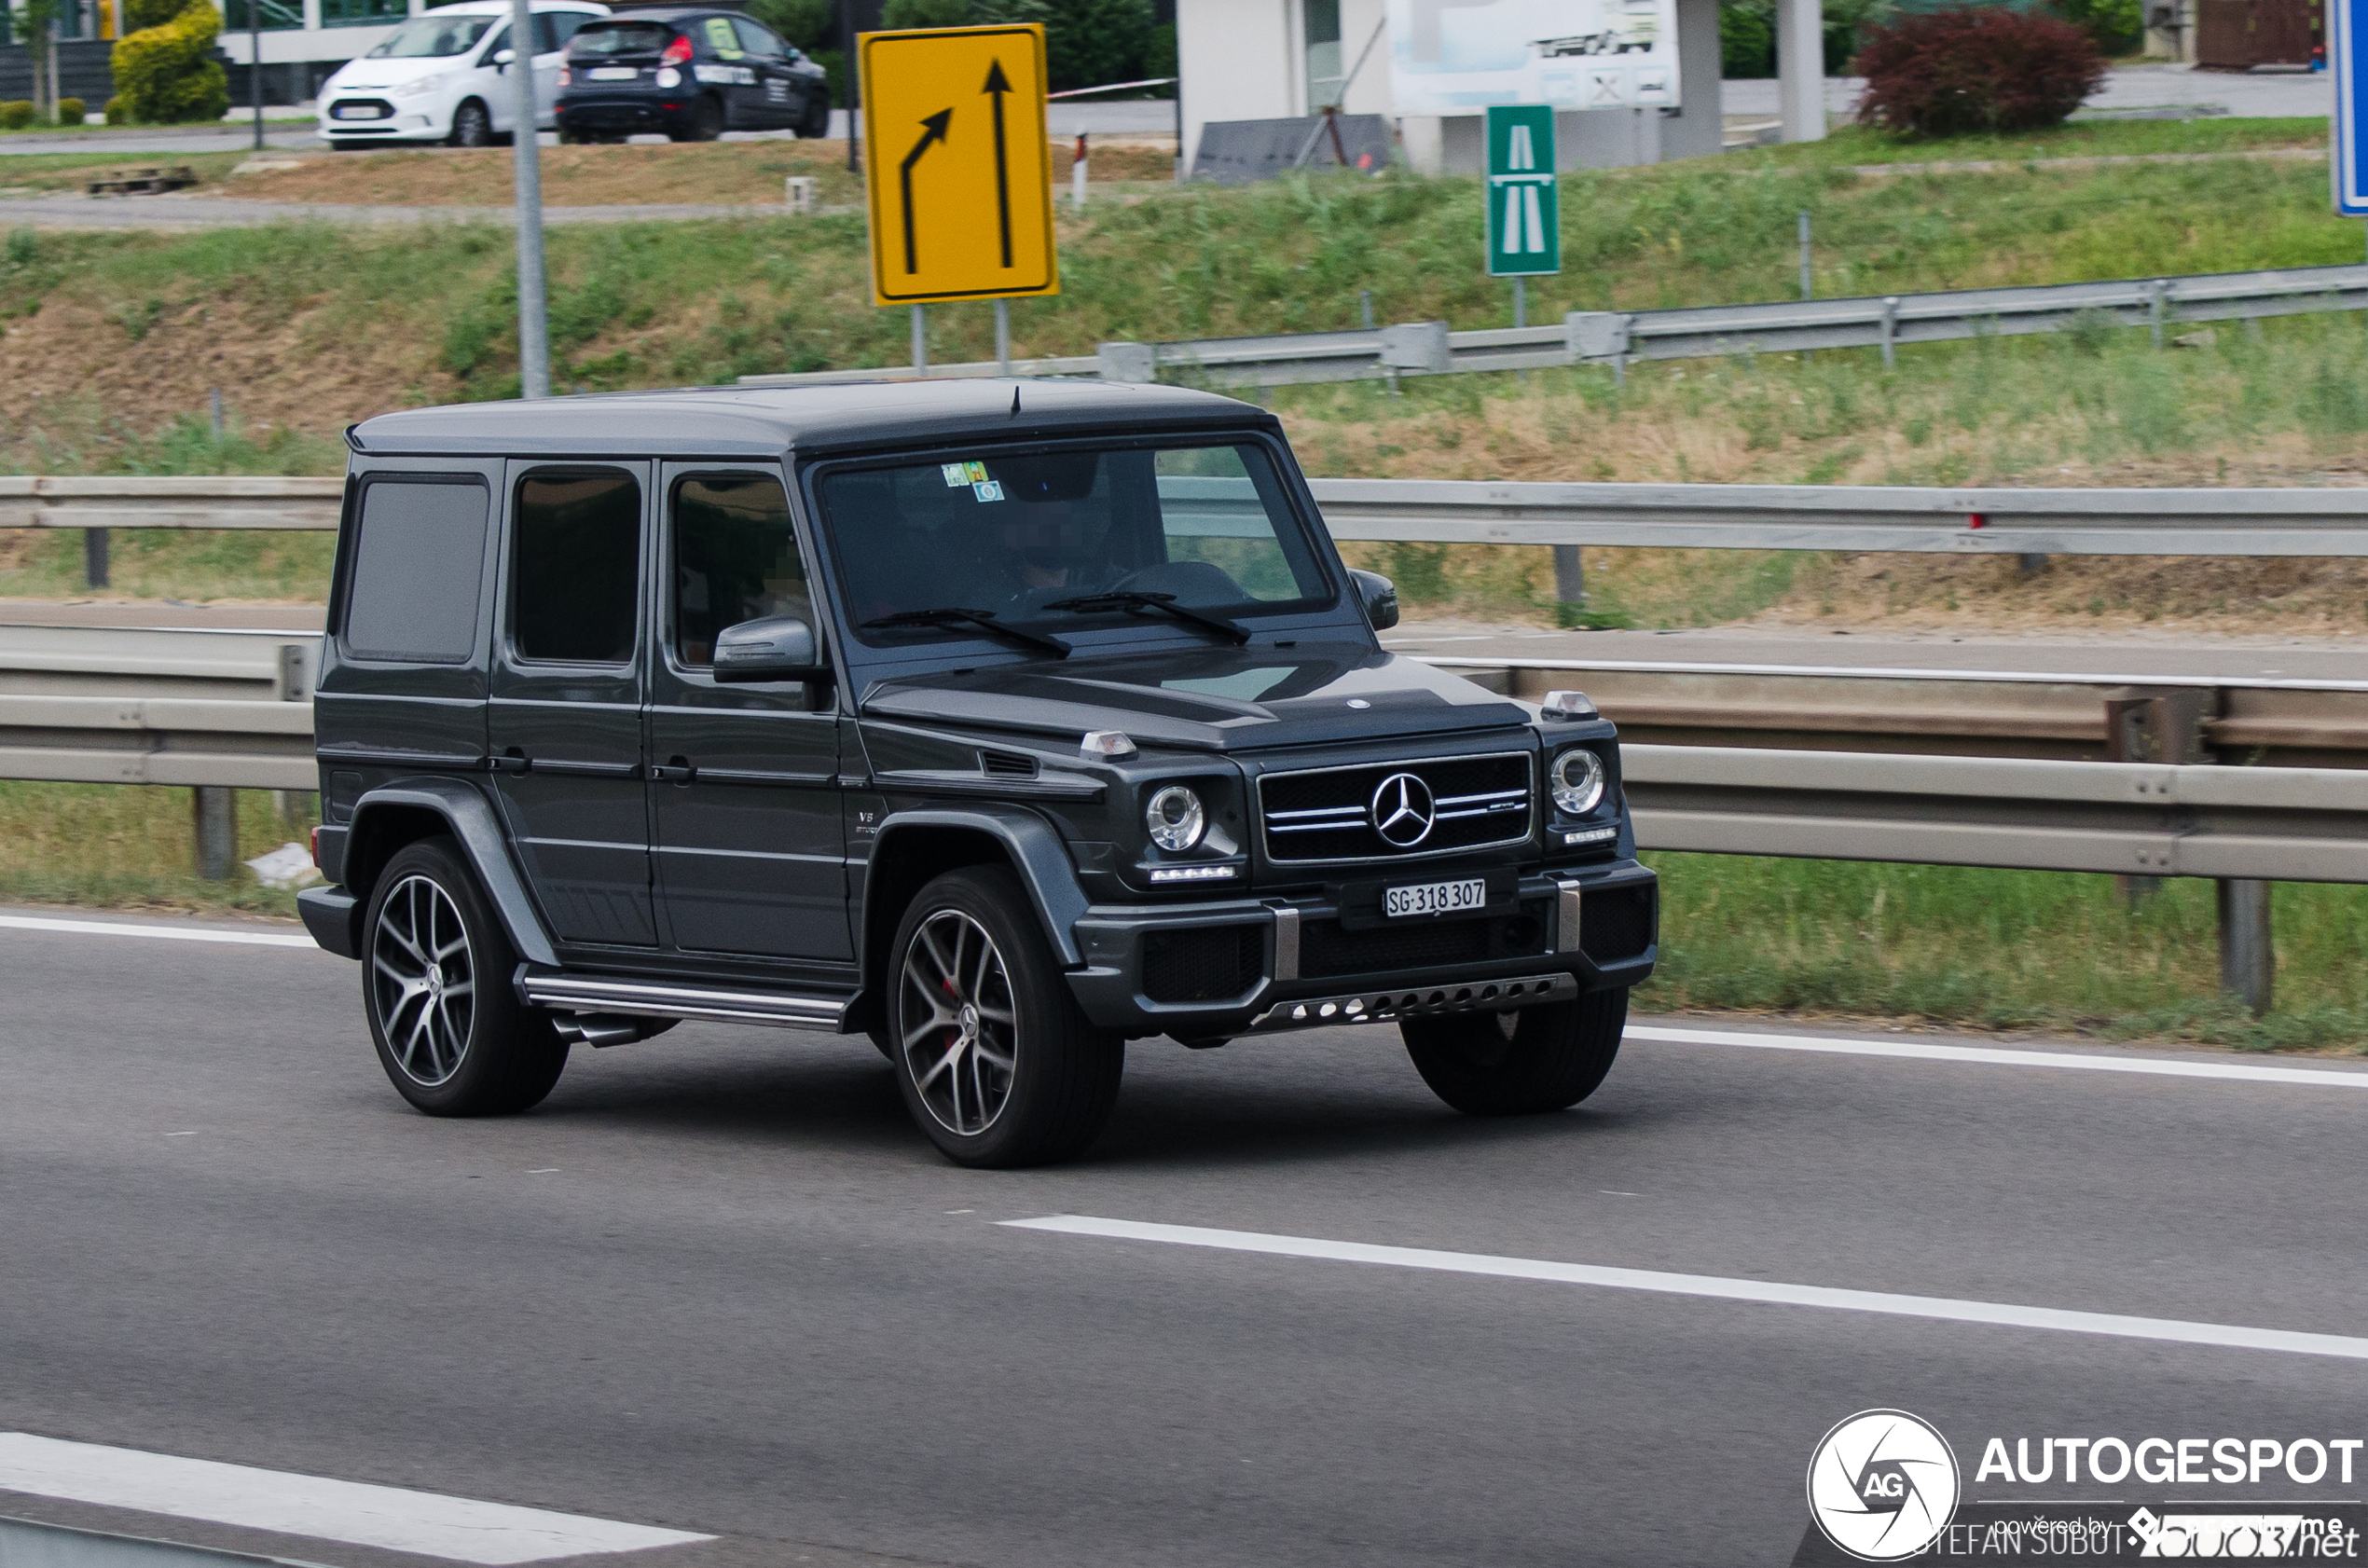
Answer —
1946 73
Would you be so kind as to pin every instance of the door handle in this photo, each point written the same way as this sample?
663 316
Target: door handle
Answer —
512 760
674 770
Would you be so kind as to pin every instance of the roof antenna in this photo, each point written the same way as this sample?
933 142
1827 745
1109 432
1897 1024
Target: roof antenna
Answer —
1015 403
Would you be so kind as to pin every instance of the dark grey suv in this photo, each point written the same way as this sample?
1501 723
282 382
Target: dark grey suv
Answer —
1004 722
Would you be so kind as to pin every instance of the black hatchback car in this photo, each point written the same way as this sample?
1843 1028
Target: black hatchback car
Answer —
1003 722
689 71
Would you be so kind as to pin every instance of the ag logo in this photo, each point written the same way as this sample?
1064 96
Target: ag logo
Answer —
1882 1485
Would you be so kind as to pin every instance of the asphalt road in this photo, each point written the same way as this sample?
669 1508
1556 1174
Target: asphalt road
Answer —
718 1284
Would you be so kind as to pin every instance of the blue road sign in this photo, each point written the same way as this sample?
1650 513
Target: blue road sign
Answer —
2348 162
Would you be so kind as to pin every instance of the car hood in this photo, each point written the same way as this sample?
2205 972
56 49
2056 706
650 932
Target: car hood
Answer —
369 75
1214 700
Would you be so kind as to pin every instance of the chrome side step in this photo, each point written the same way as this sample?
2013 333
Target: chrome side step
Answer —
642 999
1378 1007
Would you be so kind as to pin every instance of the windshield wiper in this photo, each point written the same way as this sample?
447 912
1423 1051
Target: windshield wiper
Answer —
1232 631
982 619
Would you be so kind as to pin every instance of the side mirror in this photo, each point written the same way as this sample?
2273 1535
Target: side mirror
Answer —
1377 595
502 58
777 648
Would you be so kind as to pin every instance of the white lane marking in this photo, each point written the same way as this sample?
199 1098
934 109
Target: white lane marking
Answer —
2004 1314
1998 1056
454 1527
170 933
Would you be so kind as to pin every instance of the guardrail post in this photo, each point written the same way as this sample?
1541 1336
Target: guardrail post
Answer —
1570 577
1597 336
94 558
2158 292
214 814
2160 728
2248 955
1417 346
1891 329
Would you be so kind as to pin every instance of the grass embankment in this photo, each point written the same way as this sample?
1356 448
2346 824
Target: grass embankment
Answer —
1982 949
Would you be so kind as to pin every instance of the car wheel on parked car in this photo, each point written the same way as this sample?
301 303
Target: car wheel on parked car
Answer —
703 123
815 123
472 126
996 1061
1521 1062
436 981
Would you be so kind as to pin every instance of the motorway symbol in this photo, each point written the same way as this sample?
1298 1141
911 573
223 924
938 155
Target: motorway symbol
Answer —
968 212
1524 211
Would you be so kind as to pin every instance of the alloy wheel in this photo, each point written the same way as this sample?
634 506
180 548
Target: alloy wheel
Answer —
423 981
960 1022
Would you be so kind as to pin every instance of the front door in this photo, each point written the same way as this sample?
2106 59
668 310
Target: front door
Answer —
565 721
750 858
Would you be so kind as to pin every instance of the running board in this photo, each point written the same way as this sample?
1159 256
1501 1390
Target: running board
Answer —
641 999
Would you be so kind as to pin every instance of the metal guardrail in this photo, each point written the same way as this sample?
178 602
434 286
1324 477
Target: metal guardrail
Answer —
2331 521
1614 338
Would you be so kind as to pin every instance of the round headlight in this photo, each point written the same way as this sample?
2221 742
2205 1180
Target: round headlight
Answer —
1176 818
1578 781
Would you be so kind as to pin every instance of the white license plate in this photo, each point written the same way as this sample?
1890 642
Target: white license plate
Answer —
1434 898
357 111
612 73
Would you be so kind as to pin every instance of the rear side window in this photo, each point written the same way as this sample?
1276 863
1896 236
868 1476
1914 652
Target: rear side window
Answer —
632 37
576 568
754 38
721 39
419 560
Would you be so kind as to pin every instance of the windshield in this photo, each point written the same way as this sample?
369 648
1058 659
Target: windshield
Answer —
432 38
1019 536
631 37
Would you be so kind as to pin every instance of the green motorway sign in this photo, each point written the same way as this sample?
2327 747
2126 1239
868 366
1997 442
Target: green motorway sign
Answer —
1524 212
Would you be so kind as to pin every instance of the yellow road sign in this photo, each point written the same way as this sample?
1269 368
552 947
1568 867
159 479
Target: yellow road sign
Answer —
959 173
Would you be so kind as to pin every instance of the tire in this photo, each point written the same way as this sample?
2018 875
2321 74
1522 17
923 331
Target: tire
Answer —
450 1051
703 123
815 123
1521 1063
472 126
968 949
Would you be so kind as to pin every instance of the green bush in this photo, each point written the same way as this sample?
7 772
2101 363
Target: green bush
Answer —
144 14
163 69
16 115
117 112
810 23
1159 52
899 16
71 111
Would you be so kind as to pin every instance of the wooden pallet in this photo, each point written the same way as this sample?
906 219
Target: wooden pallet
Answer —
143 182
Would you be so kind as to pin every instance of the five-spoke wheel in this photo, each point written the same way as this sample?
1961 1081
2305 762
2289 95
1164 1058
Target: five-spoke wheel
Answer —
998 1064
450 1032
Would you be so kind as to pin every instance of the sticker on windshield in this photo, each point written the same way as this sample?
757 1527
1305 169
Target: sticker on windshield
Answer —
956 475
977 471
987 489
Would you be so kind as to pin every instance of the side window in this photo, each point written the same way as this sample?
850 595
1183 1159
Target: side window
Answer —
721 38
419 560
734 559
755 40
553 29
501 41
575 568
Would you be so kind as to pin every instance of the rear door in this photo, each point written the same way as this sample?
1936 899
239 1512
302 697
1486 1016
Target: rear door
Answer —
751 856
776 97
726 69
564 724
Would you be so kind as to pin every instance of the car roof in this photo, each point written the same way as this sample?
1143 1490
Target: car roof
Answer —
664 13
768 421
501 7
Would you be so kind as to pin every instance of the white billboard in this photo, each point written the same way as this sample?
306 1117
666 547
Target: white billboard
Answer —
1457 57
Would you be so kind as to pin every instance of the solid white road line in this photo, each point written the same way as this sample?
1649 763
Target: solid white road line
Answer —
170 933
2000 1314
423 1522
2002 1057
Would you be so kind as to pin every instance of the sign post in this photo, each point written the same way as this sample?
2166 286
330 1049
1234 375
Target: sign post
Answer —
2348 161
960 177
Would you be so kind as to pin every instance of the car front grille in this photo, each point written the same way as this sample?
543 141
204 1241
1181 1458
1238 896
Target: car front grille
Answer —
1329 814
1209 964
1328 948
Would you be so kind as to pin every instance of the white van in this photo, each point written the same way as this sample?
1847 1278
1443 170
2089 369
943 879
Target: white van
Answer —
444 77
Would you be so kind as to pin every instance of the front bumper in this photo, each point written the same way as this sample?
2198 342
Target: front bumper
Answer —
1218 969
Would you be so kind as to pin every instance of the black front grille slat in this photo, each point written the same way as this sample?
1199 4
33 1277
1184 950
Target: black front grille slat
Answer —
1327 948
1616 925
1477 802
1211 964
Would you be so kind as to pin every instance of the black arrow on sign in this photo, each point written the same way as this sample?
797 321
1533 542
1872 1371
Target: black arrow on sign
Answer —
999 84
935 131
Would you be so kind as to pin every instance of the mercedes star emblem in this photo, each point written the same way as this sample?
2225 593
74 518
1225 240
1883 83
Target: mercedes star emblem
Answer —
1402 810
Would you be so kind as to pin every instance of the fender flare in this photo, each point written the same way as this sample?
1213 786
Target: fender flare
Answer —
478 831
1037 853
